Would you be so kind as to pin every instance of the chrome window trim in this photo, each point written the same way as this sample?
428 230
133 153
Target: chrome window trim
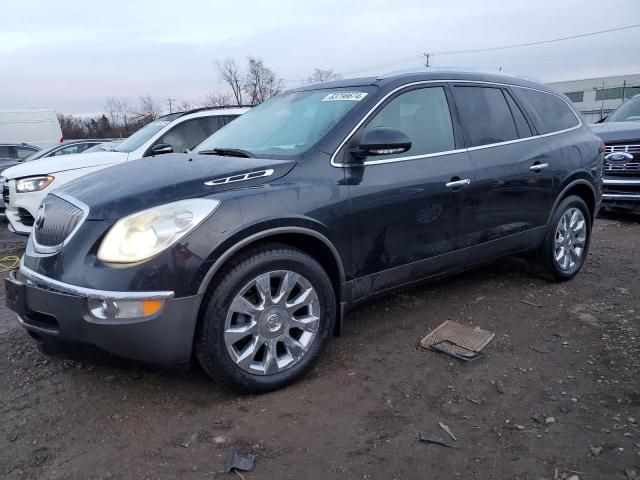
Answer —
42 281
446 152
56 248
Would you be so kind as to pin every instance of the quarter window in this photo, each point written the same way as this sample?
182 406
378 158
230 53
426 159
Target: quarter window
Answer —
424 116
554 114
485 114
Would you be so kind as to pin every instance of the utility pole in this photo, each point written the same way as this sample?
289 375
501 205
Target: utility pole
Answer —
170 102
427 57
602 104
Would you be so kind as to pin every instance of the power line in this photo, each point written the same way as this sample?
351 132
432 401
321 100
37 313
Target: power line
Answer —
489 49
560 39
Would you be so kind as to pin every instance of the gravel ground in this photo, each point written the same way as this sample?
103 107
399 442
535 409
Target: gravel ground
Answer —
557 397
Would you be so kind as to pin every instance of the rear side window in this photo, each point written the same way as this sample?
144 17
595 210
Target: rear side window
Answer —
553 113
424 116
486 117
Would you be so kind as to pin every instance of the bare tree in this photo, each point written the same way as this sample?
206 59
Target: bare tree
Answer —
148 109
230 74
320 75
218 99
261 82
185 106
113 111
120 113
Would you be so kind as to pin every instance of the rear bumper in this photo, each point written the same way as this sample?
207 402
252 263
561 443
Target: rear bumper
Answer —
60 310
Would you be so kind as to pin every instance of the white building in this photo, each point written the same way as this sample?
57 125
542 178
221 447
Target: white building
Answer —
597 97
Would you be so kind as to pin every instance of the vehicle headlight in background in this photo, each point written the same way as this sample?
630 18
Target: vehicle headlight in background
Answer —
144 234
33 184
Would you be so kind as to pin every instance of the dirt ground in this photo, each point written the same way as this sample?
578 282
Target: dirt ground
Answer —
562 376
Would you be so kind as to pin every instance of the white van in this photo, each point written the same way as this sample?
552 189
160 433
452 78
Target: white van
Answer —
24 186
35 127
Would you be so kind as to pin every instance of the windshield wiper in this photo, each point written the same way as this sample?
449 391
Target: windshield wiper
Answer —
228 152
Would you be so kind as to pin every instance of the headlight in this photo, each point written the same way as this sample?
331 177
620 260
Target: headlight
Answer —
144 234
33 184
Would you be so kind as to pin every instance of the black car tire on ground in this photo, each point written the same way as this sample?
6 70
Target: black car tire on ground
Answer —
210 348
544 263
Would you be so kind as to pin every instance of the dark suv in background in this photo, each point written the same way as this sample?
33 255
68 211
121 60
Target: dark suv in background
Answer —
248 251
620 132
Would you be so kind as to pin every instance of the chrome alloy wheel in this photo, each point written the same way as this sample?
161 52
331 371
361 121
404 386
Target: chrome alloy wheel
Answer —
570 240
272 322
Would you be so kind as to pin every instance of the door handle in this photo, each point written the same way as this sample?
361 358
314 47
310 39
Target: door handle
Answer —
457 184
538 167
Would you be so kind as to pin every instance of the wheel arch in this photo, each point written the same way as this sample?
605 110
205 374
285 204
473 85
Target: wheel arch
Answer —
306 239
582 188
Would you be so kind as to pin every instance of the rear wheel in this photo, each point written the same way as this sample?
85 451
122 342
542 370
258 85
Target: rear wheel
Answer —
267 320
566 244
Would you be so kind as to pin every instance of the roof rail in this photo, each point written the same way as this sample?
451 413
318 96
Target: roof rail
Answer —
201 109
458 70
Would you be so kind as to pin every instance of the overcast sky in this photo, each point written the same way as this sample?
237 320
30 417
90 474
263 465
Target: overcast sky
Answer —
70 55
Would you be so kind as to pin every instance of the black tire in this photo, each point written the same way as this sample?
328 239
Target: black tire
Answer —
210 348
545 264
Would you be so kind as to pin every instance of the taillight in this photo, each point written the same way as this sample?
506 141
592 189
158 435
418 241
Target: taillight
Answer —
61 139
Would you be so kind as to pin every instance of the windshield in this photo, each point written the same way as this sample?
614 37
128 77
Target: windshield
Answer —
629 111
40 154
144 134
286 125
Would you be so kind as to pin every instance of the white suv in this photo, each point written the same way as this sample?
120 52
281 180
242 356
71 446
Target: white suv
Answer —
26 185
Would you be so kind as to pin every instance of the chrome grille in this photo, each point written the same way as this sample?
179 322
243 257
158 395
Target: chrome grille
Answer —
5 193
57 219
631 165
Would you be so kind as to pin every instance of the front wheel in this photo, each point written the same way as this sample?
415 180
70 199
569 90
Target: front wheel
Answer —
267 320
567 241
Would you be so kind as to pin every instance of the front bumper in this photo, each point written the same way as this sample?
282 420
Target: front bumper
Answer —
56 309
22 208
623 193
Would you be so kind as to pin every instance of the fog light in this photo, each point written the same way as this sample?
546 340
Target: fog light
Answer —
106 308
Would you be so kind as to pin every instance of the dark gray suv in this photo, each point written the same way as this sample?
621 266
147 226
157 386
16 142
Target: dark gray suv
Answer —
247 252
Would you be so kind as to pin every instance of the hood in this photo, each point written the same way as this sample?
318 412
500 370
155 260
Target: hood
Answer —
123 189
616 132
62 163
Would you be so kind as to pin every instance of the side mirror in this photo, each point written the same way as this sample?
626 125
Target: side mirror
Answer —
382 141
160 148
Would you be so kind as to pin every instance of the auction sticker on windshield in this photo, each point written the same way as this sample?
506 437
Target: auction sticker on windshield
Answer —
345 97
